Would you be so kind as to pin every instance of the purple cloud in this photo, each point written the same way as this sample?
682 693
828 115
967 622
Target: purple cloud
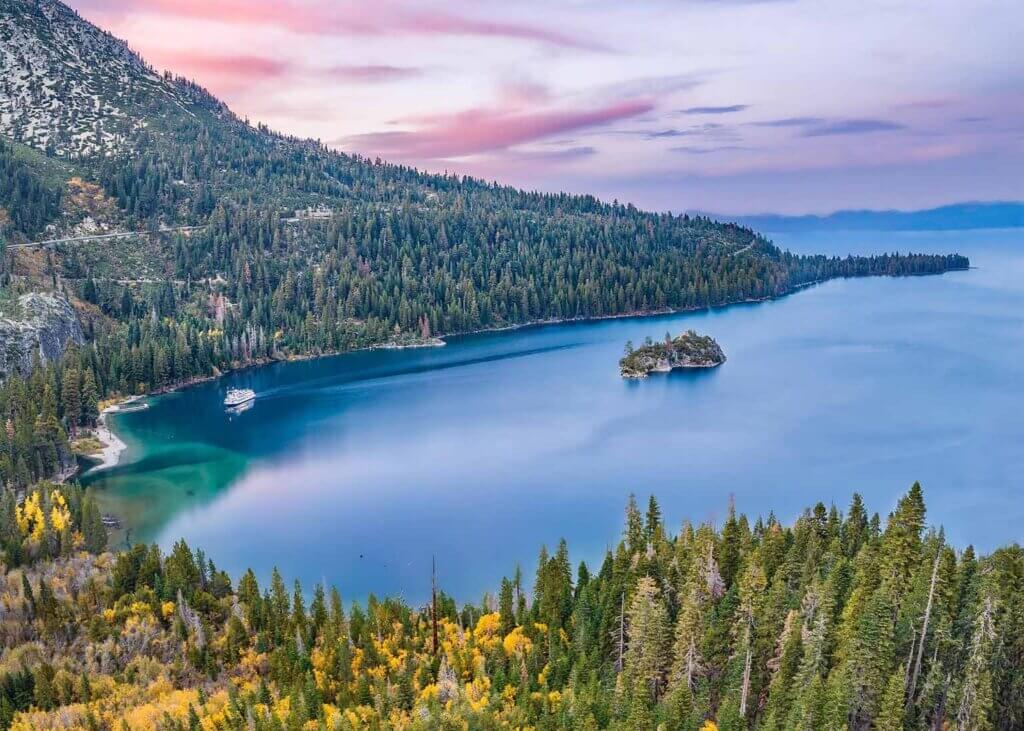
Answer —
478 131
707 129
789 122
560 155
852 127
716 110
323 17
706 150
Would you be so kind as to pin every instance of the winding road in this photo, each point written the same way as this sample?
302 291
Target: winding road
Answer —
100 237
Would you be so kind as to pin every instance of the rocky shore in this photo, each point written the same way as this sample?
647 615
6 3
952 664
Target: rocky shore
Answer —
688 350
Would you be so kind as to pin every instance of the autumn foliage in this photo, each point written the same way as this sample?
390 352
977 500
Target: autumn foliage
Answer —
837 621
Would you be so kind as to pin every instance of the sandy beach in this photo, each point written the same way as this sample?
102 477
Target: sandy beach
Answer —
113 446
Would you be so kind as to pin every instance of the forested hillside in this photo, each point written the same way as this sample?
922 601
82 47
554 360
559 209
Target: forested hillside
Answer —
300 250
26 201
839 621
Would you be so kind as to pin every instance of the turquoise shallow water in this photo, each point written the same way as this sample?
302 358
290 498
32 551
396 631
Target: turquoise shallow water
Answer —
357 468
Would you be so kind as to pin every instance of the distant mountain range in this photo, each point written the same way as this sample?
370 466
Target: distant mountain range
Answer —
957 216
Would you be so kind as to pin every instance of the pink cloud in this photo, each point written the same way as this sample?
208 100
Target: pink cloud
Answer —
225 75
326 18
483 130
373 73
446 24
249 68
521 93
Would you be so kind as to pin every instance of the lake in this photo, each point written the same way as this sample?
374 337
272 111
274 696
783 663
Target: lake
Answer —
357 469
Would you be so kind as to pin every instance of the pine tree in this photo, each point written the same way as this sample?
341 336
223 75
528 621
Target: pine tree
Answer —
785 666
9 533
94 532
731 547
855 528
817 628
71 399
653 524
636 538
751 591
870 657
90 398
901 544
687 639
181 574
506 610
890 712
647 653
916 670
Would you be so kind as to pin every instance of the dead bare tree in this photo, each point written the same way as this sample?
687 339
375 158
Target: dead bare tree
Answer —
924 627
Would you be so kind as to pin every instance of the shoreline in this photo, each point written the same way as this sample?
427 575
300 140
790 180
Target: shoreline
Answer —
112 450
629 315
115 446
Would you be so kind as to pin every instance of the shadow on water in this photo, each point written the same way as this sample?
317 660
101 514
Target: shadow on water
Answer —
156 481
163 483
386 372
185 455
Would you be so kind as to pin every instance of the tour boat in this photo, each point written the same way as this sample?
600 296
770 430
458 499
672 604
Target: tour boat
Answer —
239 396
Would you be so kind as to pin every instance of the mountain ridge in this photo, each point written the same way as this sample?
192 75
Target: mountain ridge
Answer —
950 217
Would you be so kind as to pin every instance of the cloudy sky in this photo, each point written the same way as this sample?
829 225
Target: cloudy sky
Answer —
734 106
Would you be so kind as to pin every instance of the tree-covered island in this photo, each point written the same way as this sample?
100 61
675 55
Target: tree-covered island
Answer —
688 350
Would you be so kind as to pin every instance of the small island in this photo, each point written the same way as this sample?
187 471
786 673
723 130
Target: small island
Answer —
688 350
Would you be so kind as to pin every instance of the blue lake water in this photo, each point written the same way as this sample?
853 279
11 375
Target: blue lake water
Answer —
357 469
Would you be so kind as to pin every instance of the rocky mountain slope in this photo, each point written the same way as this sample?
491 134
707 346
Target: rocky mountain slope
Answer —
36 324
75 92
70 89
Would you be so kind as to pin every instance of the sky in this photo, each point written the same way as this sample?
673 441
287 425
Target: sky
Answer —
731 106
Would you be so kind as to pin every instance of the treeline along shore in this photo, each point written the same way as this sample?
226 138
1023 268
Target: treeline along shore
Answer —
153 338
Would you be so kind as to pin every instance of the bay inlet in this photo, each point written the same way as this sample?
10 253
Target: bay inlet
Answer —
356 469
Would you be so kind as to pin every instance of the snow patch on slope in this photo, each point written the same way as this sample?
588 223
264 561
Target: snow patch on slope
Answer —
71 89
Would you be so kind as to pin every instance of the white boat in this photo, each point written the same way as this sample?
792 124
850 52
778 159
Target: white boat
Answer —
239 396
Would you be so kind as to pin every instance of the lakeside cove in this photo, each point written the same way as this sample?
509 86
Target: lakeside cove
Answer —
113 447
480 432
